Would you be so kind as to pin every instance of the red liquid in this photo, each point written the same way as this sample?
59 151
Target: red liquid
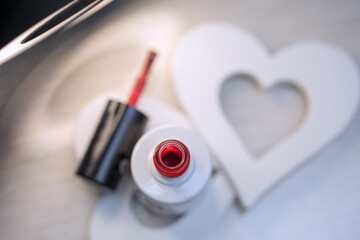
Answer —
171 158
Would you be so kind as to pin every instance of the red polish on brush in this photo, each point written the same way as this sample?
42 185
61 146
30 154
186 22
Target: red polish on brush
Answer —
139 85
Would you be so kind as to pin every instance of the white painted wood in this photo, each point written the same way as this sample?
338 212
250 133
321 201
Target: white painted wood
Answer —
208 54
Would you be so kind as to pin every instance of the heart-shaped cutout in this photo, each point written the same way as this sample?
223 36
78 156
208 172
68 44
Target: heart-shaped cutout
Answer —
211 53
261 117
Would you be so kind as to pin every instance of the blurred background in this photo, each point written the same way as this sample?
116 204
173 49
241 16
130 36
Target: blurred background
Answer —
17 16
43 90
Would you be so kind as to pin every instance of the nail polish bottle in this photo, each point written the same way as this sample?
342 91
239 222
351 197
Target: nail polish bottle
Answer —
171 167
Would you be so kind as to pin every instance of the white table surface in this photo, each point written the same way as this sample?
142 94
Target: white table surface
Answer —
42 91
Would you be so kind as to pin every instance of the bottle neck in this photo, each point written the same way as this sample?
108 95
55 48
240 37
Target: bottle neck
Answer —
171 158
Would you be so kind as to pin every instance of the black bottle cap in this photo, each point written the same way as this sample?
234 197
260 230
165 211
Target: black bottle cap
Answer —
119 129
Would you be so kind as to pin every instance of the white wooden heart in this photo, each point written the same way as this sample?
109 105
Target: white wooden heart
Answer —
210 53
